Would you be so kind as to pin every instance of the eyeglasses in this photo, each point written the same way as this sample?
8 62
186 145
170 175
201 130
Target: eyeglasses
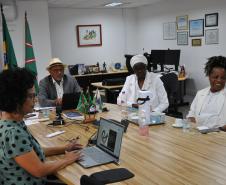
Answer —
31 95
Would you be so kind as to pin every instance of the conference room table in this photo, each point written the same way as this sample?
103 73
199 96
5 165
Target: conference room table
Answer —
168 156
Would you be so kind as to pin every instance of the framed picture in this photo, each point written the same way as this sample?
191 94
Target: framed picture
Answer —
169 31
182 38
196 42
212 36
182 22
92 69
196 28
89 35
211 19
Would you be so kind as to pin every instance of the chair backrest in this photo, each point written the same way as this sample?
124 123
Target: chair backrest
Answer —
171 84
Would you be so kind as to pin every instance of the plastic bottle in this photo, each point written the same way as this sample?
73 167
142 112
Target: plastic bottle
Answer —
182 72
143 127
124 111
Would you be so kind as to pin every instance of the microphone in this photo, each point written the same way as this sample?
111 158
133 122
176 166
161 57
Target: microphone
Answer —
59 120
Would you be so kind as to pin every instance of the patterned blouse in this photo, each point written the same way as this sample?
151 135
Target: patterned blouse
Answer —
16 140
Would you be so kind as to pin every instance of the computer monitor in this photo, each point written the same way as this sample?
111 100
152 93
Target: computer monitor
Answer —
158 57
165 57
172 57
128 58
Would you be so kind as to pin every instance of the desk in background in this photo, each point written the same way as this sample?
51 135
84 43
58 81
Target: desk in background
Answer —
86 80
109 95
167 157
182 91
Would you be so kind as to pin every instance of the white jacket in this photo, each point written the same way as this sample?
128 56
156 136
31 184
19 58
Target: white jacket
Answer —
152 83
219 106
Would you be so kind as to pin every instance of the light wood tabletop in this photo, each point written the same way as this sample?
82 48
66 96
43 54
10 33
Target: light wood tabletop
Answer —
168 156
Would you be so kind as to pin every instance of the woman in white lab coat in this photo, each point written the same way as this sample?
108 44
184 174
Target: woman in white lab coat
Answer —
143 80
209 105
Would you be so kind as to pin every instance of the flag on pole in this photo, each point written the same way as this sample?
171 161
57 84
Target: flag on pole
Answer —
88 97
30 62
10 61
91 105
82 104
97 100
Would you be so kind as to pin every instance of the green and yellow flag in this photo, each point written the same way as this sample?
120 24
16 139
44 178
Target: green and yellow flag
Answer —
82 104
30 62
10 61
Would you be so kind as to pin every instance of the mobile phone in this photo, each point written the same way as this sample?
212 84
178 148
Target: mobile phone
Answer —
205 131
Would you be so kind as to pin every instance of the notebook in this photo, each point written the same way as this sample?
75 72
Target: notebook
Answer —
108 145
74 115
70 100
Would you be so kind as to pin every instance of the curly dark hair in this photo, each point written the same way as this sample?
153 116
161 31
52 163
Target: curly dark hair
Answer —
14 85
215 61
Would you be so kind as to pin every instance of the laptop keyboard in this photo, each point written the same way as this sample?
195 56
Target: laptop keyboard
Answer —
96 154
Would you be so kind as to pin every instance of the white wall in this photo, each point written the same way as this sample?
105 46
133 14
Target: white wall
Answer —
150 34
115 33
38 18
128 31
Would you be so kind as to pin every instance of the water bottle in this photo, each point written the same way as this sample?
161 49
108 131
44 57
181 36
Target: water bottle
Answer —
143 126
124 111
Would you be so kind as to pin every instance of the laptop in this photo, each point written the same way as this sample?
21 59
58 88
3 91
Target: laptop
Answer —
124 123
108 145
70 100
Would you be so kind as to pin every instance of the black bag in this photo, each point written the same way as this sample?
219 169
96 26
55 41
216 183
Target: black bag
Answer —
106 177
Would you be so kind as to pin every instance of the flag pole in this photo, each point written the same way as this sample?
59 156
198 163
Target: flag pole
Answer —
1 9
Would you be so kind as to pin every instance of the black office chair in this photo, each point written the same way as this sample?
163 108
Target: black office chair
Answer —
128 58
171 84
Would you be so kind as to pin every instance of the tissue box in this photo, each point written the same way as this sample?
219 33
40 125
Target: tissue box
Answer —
157 117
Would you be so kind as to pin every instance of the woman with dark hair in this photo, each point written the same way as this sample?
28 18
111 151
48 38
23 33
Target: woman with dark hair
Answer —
22 160
209 105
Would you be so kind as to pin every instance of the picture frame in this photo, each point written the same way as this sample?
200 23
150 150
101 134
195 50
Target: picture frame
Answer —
212 36
182 22
211 19
92 69
169 31
89 35
196 42
196 28
182 38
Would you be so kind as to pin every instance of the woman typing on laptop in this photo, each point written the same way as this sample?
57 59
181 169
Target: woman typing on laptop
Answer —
22 159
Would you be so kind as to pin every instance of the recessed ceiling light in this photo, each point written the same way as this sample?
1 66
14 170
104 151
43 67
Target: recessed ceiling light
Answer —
113 4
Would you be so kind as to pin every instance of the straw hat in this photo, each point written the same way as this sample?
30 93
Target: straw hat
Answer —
55 62
138 59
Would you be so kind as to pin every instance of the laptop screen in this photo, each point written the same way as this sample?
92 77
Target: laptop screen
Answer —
109 137
70 101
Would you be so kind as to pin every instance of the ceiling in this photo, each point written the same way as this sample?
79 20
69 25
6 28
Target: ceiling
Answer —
95 3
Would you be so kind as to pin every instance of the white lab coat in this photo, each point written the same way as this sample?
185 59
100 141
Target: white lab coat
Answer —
213 120
152 83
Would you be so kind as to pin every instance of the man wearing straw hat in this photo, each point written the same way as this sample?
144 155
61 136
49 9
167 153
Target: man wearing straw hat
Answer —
52 87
